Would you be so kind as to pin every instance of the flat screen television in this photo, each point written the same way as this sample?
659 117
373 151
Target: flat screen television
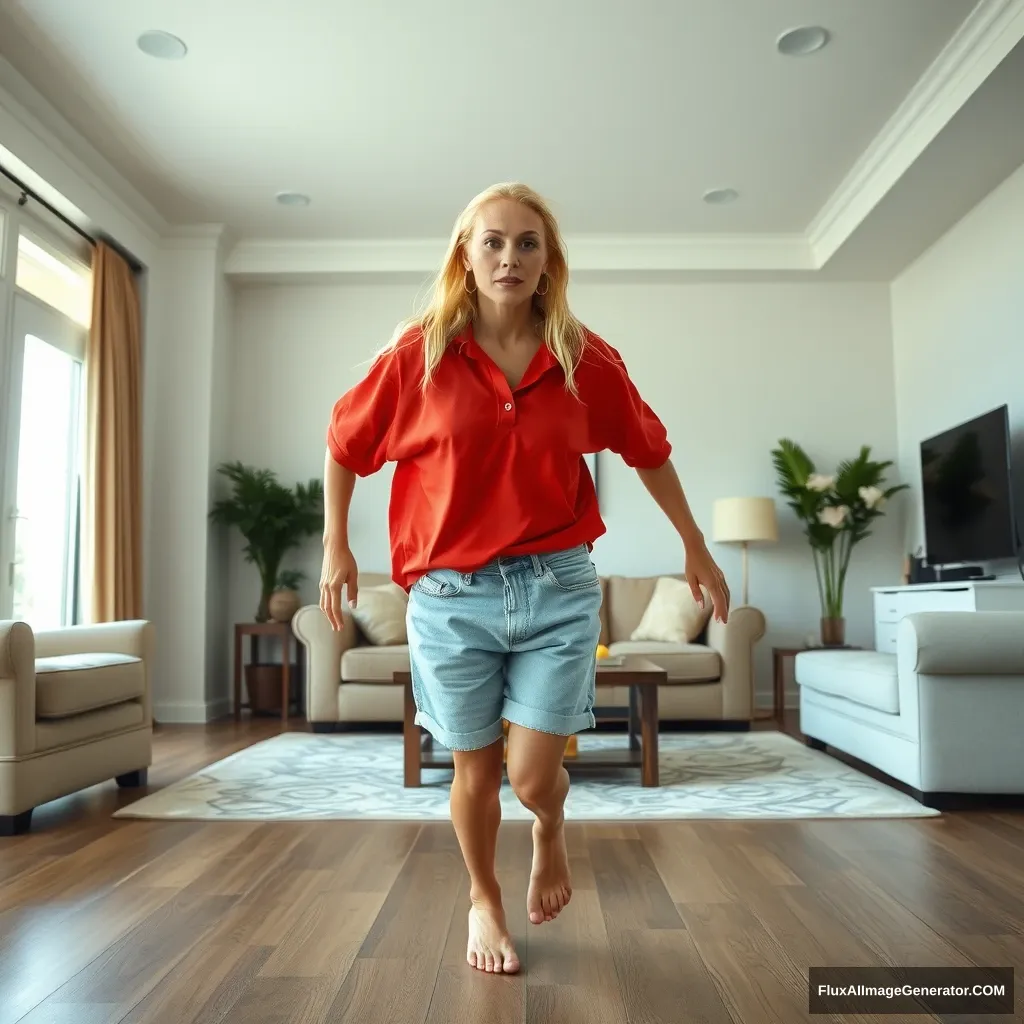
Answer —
967 492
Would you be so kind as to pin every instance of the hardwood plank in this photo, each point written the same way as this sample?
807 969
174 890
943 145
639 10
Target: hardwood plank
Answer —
129 969
663 979
395 967
632 893
47 953
417 911
684 862
203 987
757 979
326 937
896 935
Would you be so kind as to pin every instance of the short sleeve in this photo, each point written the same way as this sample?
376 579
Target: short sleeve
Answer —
362 419
625 423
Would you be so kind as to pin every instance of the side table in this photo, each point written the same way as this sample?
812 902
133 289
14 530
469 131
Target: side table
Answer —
254 630
779 656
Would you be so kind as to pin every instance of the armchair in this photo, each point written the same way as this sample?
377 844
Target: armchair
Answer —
75 710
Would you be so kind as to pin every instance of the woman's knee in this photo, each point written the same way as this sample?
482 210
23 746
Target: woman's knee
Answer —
534 784
478 772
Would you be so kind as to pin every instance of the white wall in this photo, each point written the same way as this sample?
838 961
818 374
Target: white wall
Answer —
219 628
958 337
730 368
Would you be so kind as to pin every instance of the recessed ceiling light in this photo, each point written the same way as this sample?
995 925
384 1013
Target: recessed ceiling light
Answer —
800 41
162 45
720 196
292 199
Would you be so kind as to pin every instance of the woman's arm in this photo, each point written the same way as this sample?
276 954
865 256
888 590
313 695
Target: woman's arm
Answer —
339 484
664 486
339 565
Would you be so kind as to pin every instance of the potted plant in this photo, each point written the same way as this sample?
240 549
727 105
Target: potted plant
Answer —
272 519
285 600
837 511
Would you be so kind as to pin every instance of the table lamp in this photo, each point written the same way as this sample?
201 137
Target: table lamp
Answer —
744 521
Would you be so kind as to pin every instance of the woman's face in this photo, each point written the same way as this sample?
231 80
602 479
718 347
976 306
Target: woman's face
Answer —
506 252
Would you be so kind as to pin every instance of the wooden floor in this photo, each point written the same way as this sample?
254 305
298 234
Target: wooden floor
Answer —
132 921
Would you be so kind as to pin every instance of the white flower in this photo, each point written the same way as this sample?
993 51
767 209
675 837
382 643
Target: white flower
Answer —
834 515
871 496
820 482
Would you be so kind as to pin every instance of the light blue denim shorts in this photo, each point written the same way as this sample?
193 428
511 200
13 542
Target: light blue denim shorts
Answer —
515 640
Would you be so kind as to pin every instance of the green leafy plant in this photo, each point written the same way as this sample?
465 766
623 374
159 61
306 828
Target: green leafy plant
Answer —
837 511
272 519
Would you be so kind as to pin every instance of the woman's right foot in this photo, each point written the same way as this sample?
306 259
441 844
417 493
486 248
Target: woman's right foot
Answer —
490 946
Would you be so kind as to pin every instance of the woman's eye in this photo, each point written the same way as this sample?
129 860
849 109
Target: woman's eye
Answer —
530 243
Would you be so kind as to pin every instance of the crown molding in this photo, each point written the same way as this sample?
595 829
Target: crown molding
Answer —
625 253
194 236
988 34
62 165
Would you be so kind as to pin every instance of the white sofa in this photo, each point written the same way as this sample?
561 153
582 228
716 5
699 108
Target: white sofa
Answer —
942 715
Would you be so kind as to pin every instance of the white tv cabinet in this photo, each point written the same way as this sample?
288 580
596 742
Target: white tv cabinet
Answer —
892 603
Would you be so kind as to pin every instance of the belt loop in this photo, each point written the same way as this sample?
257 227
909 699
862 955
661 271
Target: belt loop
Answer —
538 568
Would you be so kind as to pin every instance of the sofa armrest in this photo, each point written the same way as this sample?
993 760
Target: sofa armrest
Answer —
324 648
17 690
962 643
131 637
734 640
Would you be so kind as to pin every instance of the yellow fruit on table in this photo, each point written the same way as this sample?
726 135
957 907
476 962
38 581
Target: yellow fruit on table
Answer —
602 651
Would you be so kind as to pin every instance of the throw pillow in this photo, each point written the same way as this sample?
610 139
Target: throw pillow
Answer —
380 614
672 615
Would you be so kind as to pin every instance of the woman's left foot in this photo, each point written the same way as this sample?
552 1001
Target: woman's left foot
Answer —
550 886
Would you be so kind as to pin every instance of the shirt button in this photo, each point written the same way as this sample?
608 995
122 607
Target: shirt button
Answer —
508 407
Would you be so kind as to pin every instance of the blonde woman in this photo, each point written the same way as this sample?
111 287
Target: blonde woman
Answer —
487 403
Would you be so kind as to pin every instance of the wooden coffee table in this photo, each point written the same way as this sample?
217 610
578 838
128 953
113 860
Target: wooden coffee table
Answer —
641 676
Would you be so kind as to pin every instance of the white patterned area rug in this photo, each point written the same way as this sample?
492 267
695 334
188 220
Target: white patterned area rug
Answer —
313 776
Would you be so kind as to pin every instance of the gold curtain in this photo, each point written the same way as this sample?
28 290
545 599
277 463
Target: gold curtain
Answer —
112 503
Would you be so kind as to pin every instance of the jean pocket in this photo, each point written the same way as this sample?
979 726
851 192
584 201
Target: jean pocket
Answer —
440 583
572 573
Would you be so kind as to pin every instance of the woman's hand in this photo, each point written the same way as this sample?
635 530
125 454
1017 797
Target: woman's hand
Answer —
339 570
701 569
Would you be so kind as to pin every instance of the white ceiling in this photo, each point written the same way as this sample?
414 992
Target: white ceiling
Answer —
392 115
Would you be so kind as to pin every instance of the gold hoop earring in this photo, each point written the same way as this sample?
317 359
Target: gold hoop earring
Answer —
547 284
465 283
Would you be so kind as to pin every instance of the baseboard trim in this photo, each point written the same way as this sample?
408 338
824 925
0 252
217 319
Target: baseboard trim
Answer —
940 801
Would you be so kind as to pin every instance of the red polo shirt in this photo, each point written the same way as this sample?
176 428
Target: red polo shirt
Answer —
482 469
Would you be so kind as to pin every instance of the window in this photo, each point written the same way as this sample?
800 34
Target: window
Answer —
44 578
41 491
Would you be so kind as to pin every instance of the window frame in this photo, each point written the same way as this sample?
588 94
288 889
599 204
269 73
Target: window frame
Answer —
71 338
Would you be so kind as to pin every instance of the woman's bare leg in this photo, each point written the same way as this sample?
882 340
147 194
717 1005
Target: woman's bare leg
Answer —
541 783
476 815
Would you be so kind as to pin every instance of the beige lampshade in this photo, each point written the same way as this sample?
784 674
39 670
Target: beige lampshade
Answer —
744 519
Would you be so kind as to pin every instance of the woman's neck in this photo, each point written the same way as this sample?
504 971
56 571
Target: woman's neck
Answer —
503 325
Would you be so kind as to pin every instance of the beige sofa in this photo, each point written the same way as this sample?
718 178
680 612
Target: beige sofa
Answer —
75 710
710 680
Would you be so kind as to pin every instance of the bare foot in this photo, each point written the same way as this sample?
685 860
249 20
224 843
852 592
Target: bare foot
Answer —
490 946
550 887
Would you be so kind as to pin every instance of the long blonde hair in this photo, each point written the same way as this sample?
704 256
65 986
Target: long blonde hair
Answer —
450 308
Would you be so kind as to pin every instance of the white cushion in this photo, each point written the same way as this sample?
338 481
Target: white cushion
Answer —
380 614
865 677
672 615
